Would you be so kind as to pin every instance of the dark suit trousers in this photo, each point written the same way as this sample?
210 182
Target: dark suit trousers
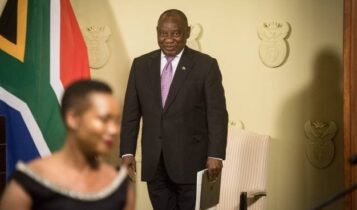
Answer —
167 195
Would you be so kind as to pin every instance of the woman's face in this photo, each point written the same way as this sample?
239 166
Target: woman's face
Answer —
99 126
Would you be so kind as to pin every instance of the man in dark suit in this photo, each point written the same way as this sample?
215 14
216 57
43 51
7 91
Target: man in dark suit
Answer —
178 93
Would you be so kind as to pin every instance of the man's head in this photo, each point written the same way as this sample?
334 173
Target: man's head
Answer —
92 116
172 31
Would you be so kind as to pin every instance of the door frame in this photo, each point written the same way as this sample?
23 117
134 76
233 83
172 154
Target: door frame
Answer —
350 96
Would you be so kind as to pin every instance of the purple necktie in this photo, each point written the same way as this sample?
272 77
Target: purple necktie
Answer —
166 78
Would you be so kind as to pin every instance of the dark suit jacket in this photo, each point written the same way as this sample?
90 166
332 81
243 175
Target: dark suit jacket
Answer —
191 127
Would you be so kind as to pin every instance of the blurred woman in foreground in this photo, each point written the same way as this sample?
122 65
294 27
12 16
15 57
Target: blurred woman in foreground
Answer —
76 177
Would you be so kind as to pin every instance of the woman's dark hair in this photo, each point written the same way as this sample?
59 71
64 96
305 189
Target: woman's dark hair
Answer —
76 95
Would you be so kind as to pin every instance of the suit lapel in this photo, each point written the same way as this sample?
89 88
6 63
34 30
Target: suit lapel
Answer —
183 69
155 74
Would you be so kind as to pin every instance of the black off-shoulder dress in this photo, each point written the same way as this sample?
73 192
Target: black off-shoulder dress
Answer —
46 195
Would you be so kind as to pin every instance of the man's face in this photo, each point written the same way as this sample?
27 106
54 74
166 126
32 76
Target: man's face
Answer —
99 125
172 33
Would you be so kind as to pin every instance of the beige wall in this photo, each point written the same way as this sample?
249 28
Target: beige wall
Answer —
270 101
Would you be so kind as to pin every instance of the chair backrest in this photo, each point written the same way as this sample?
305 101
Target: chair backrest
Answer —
245 168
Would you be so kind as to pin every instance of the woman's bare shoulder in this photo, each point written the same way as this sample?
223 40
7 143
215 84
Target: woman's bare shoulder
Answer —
15 197
41 166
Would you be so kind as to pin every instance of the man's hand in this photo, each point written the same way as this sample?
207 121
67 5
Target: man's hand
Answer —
129 162
214 167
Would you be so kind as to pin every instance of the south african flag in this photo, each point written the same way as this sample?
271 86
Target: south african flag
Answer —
41 52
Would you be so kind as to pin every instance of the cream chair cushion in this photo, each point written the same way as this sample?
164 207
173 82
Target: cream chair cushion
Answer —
244 170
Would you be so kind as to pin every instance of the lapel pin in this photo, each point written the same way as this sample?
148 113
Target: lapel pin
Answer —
183 68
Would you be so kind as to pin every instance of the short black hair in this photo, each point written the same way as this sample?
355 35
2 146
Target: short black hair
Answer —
75 95
173 13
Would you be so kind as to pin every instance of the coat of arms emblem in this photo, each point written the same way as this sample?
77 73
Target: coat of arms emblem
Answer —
273 48
320 148
98 51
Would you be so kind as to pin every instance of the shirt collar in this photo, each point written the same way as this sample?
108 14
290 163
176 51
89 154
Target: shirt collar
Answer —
176 56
